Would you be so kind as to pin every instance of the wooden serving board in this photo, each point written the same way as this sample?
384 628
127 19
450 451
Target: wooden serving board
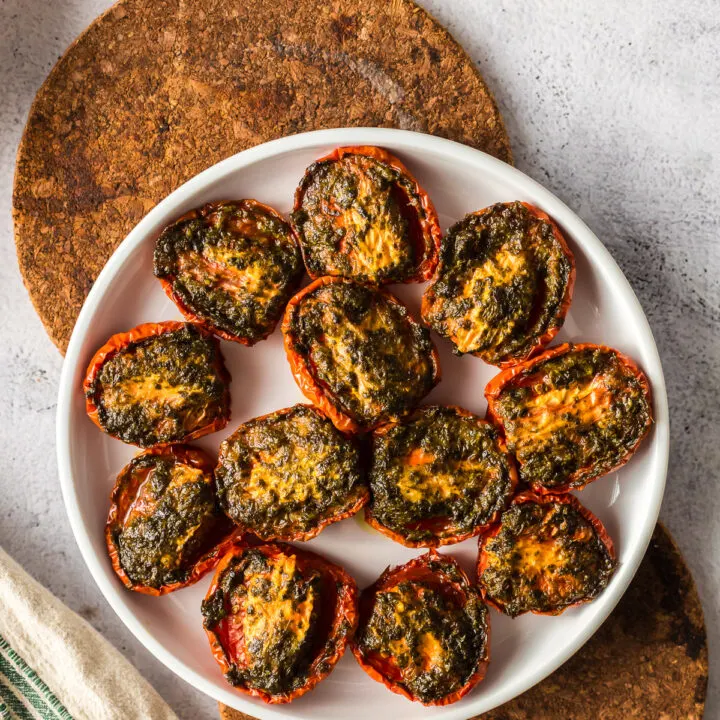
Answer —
649 661
155 91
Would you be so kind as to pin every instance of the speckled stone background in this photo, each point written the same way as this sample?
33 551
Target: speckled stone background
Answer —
614 106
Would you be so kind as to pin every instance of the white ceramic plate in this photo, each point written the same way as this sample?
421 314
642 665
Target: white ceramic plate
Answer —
459 180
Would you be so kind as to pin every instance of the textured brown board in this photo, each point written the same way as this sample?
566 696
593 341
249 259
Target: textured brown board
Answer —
155 91
648 661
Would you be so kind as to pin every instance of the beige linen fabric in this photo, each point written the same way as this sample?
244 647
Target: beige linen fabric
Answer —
84 672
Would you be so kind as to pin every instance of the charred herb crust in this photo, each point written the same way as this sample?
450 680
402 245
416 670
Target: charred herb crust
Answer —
161 388
359 218
372 360
277 661
434 636
234 265
438 464
585 444
501 284
179 523
288 473
545 558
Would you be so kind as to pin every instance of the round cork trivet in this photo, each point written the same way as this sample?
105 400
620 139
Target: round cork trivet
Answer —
154 92
648 661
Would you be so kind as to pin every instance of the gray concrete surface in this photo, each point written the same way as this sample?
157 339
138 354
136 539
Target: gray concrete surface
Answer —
614 106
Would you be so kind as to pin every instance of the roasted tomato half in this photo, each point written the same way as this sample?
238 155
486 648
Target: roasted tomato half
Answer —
231 267
157 384
423 631
360 213
165 529
504 283
289 474
547 553
437 477
570 415
278 619
357 354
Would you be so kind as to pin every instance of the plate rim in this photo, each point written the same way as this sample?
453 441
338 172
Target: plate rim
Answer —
411 140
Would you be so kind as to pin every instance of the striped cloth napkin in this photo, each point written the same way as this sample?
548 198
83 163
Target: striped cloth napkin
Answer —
54 666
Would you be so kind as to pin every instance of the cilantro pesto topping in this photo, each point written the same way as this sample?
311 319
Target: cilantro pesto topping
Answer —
358 217
502 283
573 417
425 631
168 519
437 475
372 360
233 265
545 558
288 474
162 388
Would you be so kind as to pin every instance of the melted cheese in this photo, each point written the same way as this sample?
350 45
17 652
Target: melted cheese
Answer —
380 247
289 473
534 554
431 651
365 380
420 482
156 395
376 243
270 611
398 647
215 267
265 484
360 383
370 359
151 390
182 474
472 330
588 404
542 562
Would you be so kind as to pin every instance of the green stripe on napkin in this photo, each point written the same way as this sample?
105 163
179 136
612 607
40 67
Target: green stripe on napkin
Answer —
23 695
